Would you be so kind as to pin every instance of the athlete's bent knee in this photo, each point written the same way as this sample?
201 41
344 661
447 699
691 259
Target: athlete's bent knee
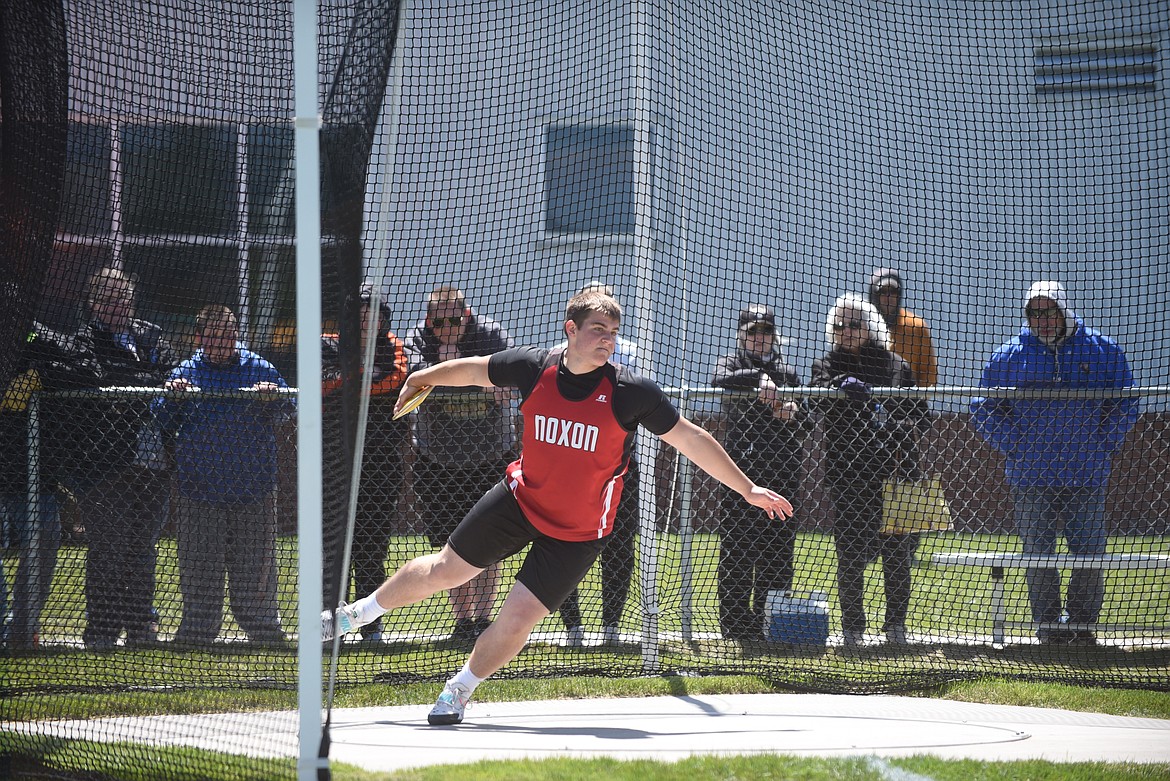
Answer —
452 569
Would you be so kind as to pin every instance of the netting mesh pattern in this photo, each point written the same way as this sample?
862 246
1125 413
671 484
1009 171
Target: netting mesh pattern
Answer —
733 177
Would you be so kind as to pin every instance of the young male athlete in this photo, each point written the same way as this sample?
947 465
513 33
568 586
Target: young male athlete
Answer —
580 413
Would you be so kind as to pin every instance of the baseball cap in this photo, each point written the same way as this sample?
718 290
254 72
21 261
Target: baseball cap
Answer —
757 313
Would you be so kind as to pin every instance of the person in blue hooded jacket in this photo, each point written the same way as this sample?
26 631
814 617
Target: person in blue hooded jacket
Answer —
225 463
1059 452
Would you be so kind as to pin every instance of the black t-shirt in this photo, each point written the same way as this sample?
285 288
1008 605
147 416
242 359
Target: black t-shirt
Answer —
636 400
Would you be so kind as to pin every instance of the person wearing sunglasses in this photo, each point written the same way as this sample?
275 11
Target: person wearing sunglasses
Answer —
464 438
765 436
864 436
1058 452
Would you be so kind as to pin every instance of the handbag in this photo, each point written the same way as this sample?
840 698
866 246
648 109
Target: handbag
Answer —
914 506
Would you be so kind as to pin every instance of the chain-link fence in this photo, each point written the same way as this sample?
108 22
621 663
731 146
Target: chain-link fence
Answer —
188 541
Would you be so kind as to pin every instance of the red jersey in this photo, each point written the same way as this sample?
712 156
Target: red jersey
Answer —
568 478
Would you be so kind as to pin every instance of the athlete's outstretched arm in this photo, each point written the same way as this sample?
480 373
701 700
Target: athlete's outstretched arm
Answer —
701 448
459 372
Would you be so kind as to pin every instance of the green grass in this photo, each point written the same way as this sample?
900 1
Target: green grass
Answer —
768 768
126 764
946 600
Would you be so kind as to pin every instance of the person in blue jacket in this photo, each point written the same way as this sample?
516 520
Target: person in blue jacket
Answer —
225 463
1058 452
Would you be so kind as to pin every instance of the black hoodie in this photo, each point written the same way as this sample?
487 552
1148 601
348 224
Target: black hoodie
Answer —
879 278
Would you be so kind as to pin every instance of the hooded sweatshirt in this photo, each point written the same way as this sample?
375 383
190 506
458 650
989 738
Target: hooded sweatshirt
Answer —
1048 442
909 334
1055 292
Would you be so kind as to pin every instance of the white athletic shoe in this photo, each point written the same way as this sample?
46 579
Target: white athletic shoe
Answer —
347 621
450 706
575 637
610 635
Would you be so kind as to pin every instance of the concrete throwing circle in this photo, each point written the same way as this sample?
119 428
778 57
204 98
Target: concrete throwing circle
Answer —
666 728
682 734
663 728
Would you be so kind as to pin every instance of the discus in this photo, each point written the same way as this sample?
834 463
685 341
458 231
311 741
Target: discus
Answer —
412 403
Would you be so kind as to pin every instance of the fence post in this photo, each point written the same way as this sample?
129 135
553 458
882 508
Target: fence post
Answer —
33 512
647 543
686 530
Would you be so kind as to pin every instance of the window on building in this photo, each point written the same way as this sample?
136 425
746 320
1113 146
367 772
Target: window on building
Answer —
86 207
590 179
179 179
196 210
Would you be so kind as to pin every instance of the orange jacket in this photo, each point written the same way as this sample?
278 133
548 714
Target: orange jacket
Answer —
390 365
910 338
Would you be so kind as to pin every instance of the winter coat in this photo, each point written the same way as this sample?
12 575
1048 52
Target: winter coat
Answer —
384 435
100 435
769 450
909 334
1057 442
49 361
458 426
863 441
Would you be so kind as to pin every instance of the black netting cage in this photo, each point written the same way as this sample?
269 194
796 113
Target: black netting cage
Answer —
907 263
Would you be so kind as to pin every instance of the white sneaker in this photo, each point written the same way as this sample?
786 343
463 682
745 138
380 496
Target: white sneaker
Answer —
853 638
450 706
610 635
575 636
347 621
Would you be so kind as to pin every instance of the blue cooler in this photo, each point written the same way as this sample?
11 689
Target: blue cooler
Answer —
797 620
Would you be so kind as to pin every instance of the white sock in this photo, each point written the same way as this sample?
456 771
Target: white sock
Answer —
467 678
369 610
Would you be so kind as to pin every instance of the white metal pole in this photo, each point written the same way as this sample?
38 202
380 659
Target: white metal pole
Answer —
308 254
644 261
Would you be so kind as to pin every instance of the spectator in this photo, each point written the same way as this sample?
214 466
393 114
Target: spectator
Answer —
558 500
381 470
863 439
122 479
909 338
464 438
49 361
617 560
765 437
1058 452
909 334
225 459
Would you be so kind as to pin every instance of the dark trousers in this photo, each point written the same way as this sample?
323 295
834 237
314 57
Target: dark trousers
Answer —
373 526
617 561
755 557
859 517
124 515
233 540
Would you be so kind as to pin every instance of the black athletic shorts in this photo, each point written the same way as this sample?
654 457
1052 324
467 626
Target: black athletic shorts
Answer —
496 528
